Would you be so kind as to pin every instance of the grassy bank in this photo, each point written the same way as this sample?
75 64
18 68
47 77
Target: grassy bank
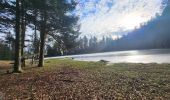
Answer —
68 79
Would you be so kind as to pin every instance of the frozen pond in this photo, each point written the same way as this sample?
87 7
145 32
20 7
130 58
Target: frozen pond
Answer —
133 56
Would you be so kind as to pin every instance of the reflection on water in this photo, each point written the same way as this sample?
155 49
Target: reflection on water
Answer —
160 58
134 56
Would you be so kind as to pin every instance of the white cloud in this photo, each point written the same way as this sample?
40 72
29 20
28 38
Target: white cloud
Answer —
102 17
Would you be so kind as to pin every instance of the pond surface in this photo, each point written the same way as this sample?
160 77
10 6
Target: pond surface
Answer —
132 56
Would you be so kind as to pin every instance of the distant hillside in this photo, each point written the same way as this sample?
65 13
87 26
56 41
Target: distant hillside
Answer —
154 34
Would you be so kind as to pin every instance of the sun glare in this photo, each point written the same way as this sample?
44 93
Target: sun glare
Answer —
131 21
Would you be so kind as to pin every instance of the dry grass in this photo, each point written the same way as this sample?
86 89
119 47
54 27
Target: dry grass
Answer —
65 79
5 64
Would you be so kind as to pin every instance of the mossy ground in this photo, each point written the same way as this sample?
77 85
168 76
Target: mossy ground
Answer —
65 79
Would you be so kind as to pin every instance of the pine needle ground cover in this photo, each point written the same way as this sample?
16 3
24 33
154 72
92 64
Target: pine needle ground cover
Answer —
65 79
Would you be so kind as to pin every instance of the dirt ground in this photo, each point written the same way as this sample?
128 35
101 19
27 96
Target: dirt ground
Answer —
75 80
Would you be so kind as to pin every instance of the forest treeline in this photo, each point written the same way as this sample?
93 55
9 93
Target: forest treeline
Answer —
48 19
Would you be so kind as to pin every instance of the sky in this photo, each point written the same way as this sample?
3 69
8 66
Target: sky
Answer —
115 17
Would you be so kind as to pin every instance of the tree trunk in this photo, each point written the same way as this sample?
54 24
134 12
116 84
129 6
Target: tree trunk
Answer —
23 28
36 43
17 65
42 38
42 45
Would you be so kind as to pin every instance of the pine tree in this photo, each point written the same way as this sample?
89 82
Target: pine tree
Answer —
17 65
